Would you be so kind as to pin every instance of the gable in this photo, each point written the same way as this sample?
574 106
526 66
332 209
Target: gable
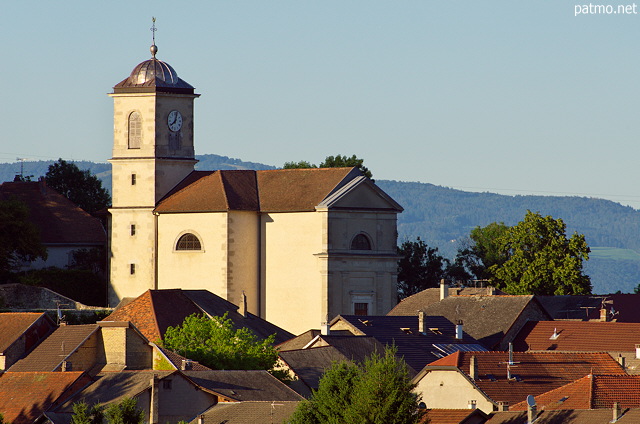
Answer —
360 193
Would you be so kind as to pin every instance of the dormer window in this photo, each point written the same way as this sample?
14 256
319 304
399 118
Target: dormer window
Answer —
135 130
360 242
188 241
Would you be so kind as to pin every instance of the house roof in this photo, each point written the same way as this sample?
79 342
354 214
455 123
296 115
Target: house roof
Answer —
537 372
59 220
24 396
402 331
584 336
620 307
310 364
110 387
412 304
298 342
571 416
243 385
453 416
590 392
49 354
176 360
249 412
486 318
15 324
274 190
155 310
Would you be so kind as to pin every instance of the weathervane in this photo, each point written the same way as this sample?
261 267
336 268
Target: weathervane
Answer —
153 29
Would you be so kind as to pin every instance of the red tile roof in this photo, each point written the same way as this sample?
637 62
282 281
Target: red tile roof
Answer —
452 416
156 310
279 190
537 372
583 336
14 324
590 392
57 218
24 396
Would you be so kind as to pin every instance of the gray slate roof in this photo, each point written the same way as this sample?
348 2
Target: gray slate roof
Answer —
241 385
250 412
49 354
310 364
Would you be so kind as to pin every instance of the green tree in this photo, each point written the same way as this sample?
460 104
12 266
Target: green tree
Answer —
541 259
125 412
338 161
377 391
419 267
81 187
85 414
483 251
19 237
215 343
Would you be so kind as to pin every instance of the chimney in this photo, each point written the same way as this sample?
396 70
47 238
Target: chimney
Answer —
617 412
491 291
503 406
444 289
66 366
243 305
325 329
421 327
638 351
201 419
622 361
187 365
532 410
473 368
510 353
472 404
604 315
459 330
154 404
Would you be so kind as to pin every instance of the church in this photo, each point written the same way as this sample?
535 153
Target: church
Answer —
294 246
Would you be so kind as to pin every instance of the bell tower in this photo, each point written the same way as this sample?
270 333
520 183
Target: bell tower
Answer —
152 152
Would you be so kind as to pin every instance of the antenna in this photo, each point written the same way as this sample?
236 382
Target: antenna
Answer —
21 160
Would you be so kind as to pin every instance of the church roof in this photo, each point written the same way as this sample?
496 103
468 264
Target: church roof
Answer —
153 75
274 190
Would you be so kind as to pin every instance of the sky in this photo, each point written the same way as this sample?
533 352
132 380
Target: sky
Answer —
511 97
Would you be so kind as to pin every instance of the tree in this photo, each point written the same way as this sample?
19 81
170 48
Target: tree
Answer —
419 267
338 161
377 391
483 250
541 259
81 187
19 237
215 343
84 414
124 412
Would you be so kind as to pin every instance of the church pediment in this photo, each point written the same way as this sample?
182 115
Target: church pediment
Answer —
360 193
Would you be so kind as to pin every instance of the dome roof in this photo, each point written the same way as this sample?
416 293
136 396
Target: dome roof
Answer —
154 75
153 68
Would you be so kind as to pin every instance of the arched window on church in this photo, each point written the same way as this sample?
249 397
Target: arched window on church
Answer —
361 242
135 130
188 241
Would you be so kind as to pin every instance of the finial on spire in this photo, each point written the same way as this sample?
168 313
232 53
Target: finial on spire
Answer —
154 48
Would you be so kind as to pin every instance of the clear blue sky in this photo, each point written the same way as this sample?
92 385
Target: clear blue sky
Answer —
501 96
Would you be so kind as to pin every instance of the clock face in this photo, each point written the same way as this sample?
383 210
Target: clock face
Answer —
174 120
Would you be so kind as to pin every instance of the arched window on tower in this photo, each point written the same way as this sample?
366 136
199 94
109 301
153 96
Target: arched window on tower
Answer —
135 130
361 242
188 241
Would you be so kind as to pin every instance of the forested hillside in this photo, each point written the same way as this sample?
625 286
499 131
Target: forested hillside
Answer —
443 217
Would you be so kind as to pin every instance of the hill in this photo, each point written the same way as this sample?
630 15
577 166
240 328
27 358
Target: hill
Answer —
443 217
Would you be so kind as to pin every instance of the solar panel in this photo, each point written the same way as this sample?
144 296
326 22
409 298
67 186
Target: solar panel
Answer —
449 348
